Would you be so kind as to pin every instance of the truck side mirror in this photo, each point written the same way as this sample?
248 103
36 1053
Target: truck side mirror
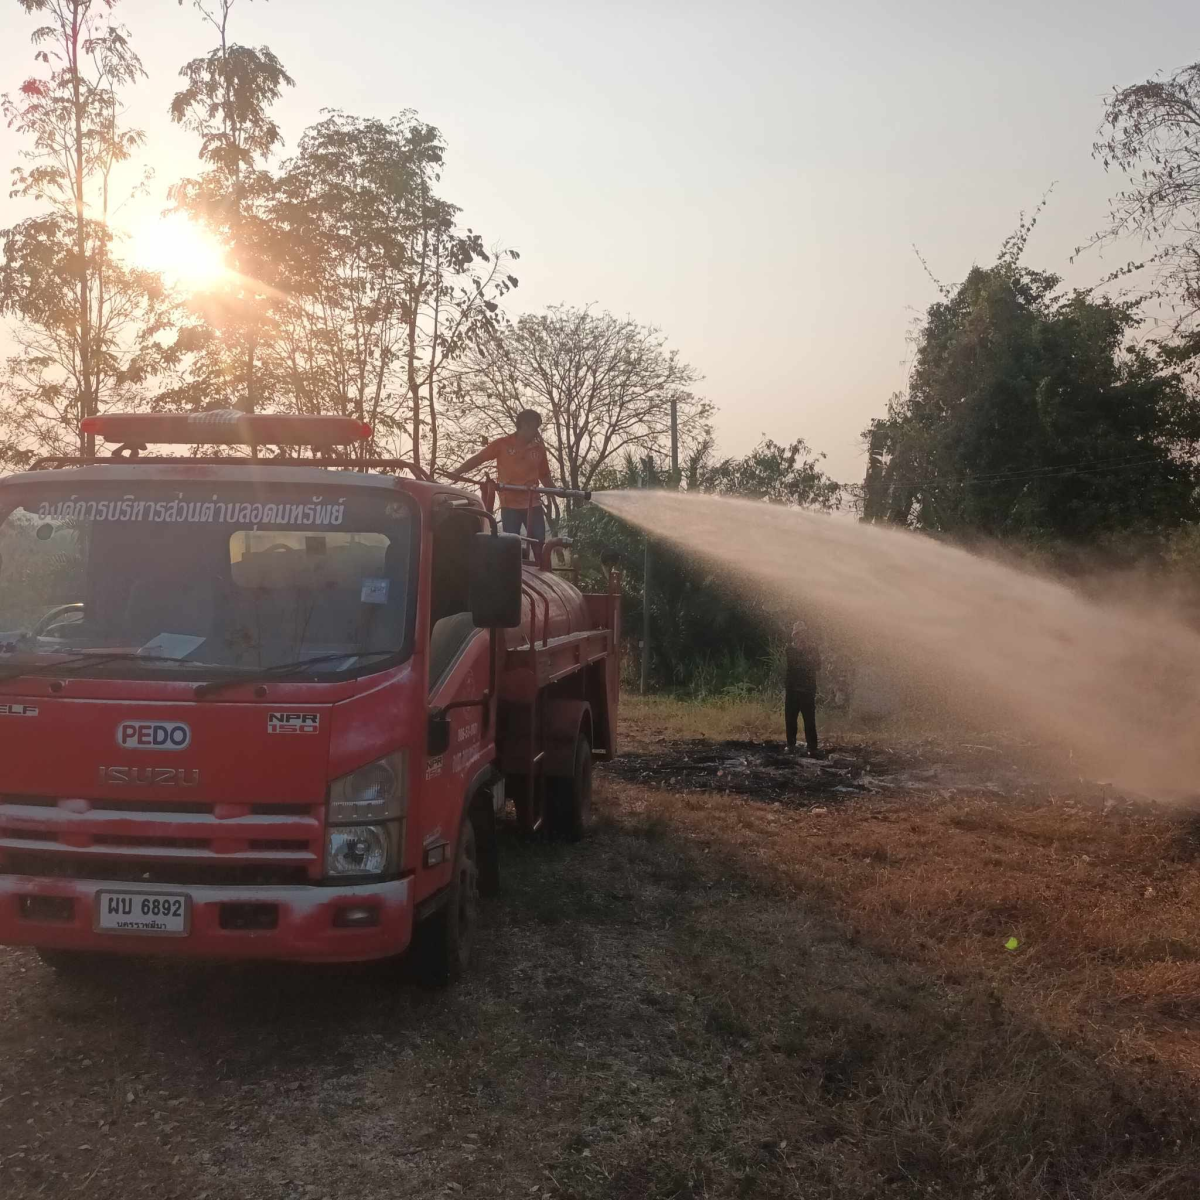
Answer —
495 580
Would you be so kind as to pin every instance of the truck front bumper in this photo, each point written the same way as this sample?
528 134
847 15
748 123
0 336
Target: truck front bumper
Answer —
349 923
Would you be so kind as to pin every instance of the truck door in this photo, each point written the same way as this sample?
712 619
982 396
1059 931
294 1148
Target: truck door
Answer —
458 664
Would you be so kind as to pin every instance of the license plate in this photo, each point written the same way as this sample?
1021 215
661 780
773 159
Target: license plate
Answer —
142 912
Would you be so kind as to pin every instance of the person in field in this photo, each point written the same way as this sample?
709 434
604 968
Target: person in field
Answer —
800 696
521 464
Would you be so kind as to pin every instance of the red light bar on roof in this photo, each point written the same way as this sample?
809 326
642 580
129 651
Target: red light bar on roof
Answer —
228 428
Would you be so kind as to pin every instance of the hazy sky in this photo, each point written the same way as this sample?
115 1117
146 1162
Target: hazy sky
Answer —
751 177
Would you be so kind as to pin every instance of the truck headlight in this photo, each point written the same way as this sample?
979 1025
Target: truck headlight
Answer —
376 792
358 850
364 822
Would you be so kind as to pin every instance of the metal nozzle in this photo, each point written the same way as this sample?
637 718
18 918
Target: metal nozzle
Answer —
562 493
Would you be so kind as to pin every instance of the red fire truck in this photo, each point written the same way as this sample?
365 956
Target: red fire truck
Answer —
273 708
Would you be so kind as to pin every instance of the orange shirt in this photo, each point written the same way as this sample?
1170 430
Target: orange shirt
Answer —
519 465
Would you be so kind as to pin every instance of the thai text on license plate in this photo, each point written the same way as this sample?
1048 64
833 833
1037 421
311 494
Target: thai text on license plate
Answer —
142 912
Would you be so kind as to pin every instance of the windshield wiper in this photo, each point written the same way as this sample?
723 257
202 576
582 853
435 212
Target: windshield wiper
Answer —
283 669
91 660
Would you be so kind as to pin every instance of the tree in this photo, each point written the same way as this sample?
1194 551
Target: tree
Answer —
705 634
878 437
1151 134
85 322
128 310
452 289
604 385
1029 415
377 291
782 474
226 103
333 218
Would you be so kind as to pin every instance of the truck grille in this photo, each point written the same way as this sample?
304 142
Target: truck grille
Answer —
140 841
117 870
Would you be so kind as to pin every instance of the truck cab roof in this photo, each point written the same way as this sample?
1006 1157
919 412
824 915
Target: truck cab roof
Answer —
237 471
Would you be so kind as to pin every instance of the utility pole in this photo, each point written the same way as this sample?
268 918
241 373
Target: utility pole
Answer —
646 568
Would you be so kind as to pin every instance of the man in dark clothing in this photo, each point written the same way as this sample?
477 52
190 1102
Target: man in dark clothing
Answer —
800 699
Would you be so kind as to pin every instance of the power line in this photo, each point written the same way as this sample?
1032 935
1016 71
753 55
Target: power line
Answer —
1032 474
1061 468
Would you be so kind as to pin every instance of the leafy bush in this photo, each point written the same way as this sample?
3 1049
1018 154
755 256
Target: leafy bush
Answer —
706 638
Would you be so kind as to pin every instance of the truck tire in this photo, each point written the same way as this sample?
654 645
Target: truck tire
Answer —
443 941
569 801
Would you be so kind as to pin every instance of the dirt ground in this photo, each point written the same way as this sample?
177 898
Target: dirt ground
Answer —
759 977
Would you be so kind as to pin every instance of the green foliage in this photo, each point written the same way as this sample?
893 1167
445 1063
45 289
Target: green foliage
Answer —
1029 415
84 324
700 632
383 289
226 103
707 638
782 474
39 286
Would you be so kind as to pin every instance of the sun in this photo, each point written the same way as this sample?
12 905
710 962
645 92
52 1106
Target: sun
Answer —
184 254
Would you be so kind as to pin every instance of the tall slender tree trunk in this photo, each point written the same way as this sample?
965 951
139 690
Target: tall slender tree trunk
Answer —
245 268
87 442
413 387
437 313
417 298
250 388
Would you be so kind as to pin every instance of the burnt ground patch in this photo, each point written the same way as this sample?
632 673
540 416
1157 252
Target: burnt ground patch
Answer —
747 768
765 770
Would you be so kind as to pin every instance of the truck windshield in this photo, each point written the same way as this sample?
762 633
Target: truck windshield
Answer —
196 581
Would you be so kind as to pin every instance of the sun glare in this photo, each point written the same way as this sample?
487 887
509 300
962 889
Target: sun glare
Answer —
183 253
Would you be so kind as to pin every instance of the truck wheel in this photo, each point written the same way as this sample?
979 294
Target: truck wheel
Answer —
569 801
442 942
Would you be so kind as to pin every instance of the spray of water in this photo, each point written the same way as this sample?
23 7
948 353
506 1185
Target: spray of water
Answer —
1114 693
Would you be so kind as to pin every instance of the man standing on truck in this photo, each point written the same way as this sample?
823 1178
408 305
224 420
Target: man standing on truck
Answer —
521 464
800 698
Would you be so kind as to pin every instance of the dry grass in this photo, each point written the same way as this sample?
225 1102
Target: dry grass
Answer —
1104 906
1103 903
644 718
883 1061
752 717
